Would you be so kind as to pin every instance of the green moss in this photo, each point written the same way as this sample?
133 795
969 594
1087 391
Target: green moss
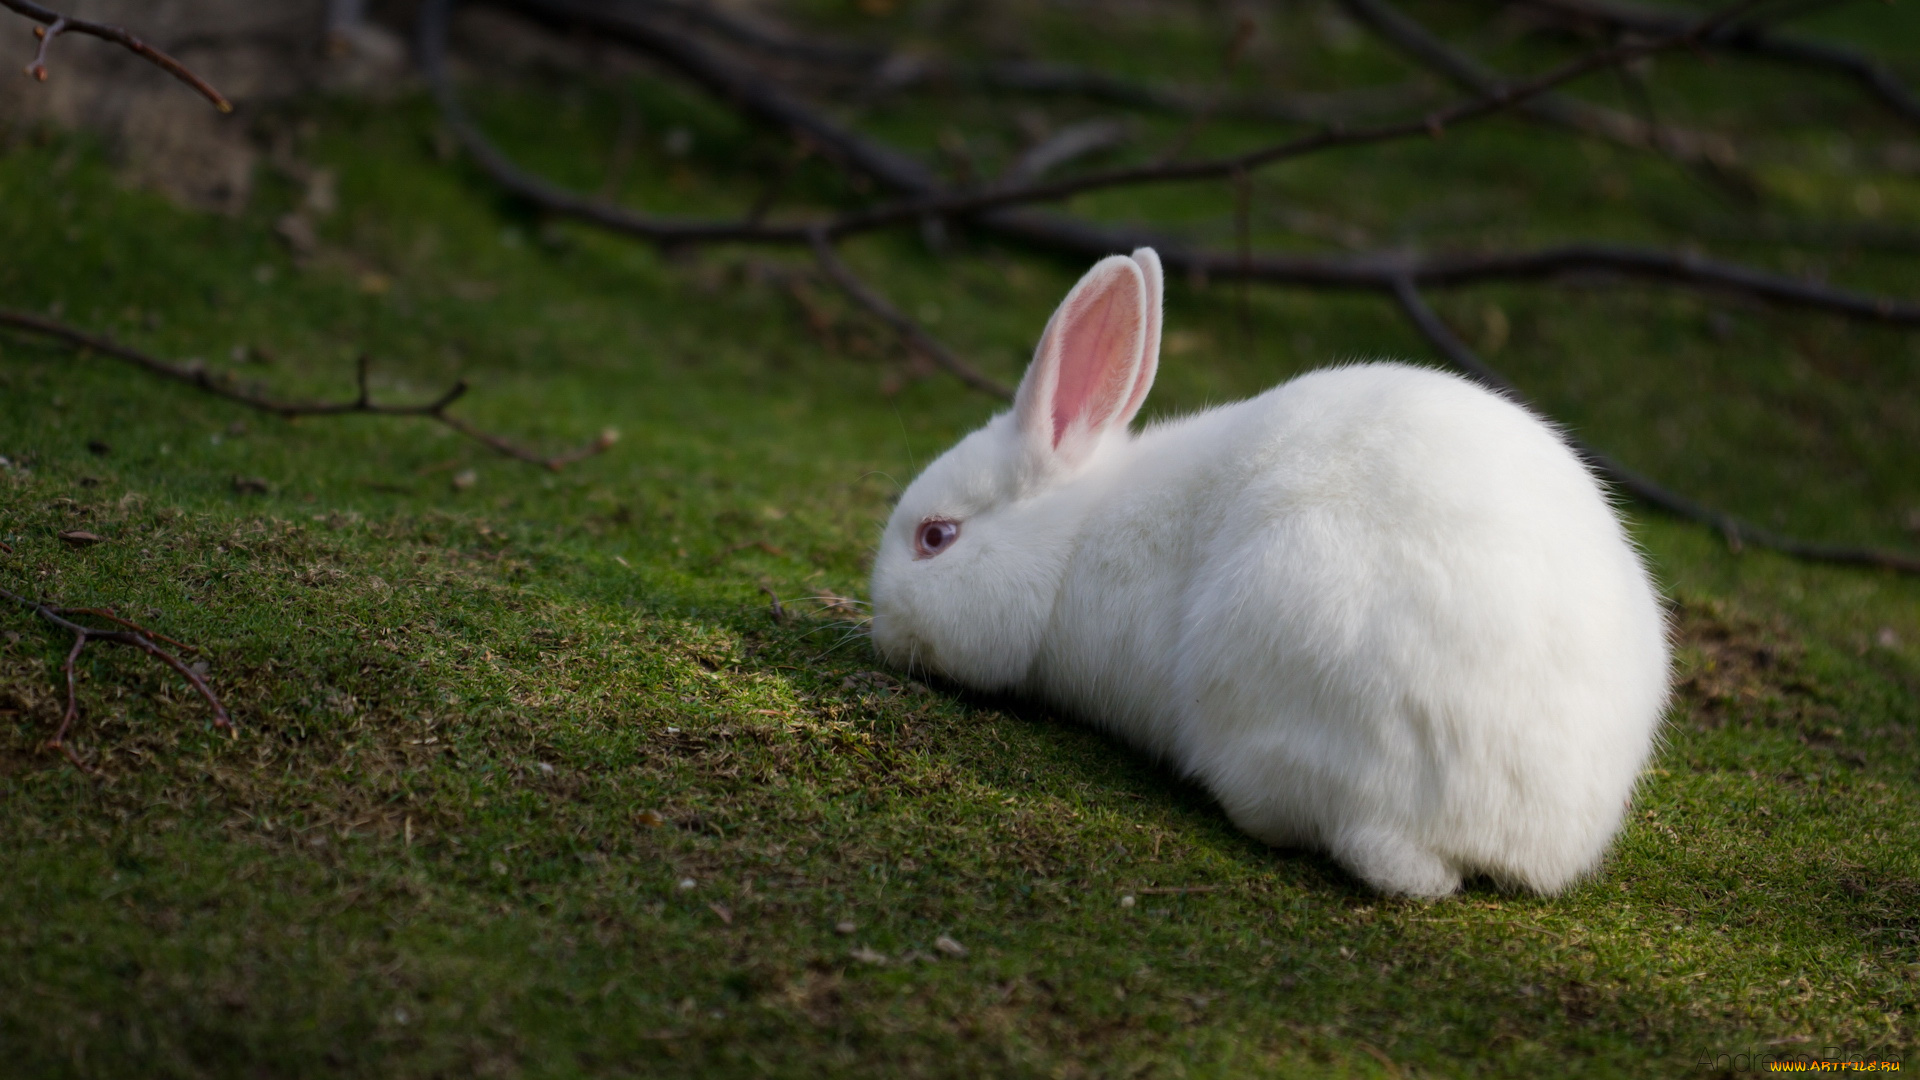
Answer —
489 731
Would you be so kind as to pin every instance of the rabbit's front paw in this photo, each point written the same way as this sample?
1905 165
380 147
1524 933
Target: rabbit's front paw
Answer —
1394 864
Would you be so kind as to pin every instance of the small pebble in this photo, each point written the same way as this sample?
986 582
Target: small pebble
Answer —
687 883
1126 901
844 928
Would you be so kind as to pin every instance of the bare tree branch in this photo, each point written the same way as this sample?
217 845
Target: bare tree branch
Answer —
771 104
1034 77
780 43
1360 271
1802 234
1758 41
916 337
888 70
1739 534
56 24
1377 271
133 636
740 86
215 383
1371 271
1690 147
432 45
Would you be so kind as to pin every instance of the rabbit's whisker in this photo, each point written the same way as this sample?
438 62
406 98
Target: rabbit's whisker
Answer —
878 472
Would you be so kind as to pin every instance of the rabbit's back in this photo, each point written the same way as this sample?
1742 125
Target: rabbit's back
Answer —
1377 610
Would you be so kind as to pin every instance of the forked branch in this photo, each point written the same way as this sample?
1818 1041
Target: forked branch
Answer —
53 24
133 636
222 386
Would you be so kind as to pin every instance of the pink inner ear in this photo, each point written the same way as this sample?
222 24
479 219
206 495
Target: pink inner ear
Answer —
1099 348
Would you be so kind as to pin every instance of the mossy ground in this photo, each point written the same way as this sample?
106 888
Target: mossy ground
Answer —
490 732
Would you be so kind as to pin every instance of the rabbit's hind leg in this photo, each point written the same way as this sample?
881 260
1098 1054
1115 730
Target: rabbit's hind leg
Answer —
1390 862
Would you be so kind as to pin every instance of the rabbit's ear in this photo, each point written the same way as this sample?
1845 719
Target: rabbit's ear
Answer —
1084 374
1155 281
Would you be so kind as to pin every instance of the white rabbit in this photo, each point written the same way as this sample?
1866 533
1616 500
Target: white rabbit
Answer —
1377 610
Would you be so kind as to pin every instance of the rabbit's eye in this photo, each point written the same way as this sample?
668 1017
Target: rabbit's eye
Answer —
934 537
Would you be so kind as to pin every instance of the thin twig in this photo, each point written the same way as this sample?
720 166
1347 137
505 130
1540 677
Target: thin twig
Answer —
744 88
432 49
1377 271
200 378
1802 234
1738 533
1031 77
601 444
886 70
1416 41
1757 41
107 614
911 332
57 24
774 608
135 637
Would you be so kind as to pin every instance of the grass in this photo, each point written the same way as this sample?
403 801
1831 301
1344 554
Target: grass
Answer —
531 784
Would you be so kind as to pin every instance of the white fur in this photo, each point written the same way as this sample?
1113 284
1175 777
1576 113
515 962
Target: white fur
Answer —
1377 610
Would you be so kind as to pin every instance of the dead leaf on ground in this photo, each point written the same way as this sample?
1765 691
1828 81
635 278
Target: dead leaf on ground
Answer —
843 606
871 681
80 538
